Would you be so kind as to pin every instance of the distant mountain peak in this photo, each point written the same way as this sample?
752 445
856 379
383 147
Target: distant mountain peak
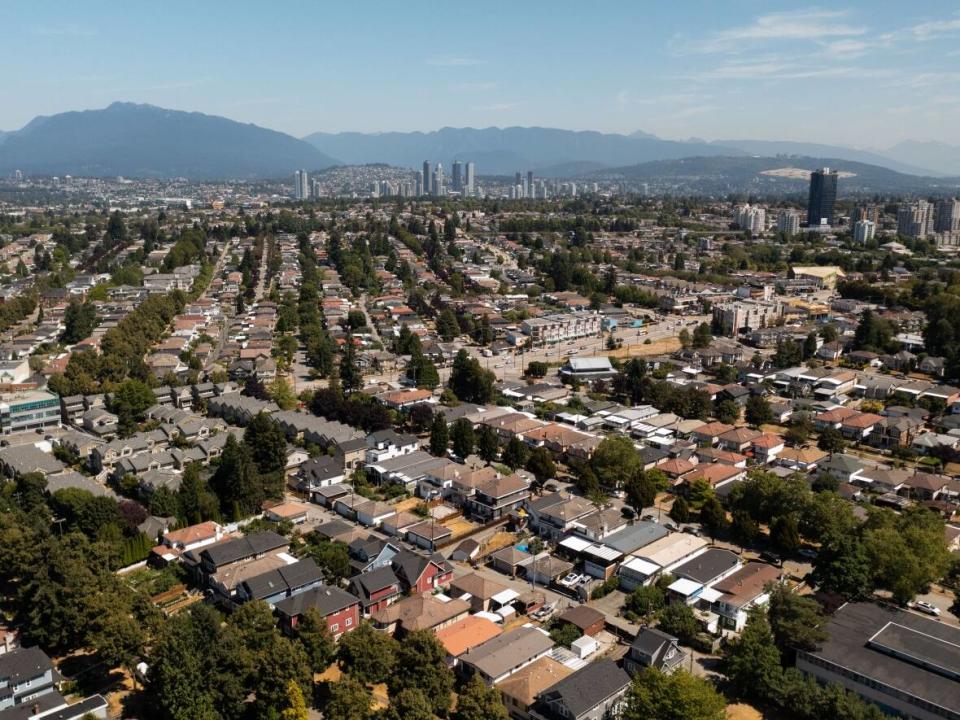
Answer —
140 140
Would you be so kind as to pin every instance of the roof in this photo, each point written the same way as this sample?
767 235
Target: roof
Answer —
525 684
672 548
467 633
247 546
284 579
421 612
371 582
708 565
588 687
903 650
326 599
23 664
649 640
747 583
477 585
583 616
590 363
504 652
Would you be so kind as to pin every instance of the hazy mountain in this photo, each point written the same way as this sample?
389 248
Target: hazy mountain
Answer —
3 135
769 148
939 156
503 151
745 175
147 141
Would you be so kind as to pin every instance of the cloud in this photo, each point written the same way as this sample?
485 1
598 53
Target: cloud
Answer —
936 28
623 97
775 68
813 24
455 61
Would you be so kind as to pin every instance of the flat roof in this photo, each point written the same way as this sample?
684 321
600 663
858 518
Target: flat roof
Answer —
685 587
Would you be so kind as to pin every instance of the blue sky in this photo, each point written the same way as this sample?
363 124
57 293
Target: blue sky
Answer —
868 73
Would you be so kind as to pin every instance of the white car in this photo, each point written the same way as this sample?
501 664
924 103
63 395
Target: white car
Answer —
571 580
925 607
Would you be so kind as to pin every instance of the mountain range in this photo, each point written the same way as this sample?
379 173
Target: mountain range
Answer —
147 141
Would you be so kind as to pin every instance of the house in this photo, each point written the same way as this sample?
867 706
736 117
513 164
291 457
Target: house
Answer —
376 589
709 433
858 427
653 648
767 447
742 590
295 512
519 691
279 583
419 612
509 560
339 608
505 654
428 534
594 692
588 620
845 468
700 572
176 542
715 474
386 444
419 573
477 590
213 561
553 515
466 634
29 688
498 496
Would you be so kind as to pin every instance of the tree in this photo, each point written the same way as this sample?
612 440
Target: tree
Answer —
79 319
727 411
296 706
313 634
282 393
420 417
615 461
463 438
712 516
678 696
752 662
843 566
680 510
678 619
646 600
514 455
796 621
758 411
349 700
439 435
236 481
788 354
421 371
831 440
447 326
470 382
799 431
564 633
743 527
194 498
476 701
267 444
540 463
702 337
409 704
421 665
684 337
641 489
810 345
367 655
488 444
785 532
130 402
351 377
537 369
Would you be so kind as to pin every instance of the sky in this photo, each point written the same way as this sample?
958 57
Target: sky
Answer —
867 74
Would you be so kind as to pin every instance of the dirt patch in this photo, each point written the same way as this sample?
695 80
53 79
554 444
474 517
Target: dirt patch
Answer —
499 541
408 504
459 526
663 346
742 711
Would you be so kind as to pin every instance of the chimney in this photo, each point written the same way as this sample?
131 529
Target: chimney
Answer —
35 709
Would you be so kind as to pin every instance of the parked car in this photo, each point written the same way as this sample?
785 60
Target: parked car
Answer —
692 530
570 580
650 517
808 553
545 612
772 558
925 607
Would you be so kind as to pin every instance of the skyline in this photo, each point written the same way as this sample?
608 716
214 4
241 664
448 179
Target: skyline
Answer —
735 72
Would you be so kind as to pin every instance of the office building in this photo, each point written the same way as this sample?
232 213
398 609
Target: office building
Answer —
823 197
865 211
732 317
437 184
864 231
915 220
471 170
907 664
427 178
457 177
301 185
788 222
948 216
28 410
530 191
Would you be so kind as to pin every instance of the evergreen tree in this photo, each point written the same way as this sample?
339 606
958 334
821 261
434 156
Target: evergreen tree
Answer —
313 634
236 481
476 701
488 444
439 435
515 453
421 665
463 438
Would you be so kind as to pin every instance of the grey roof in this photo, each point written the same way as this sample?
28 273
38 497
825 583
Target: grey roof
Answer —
634 537
247 546
504 652
23 663
370 582
843 463
908 652
24 459
288 578
708 566
588 687
326 599
73 479
649 640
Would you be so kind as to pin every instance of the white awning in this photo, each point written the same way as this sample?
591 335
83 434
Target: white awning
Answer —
575 544
505 596
640 566
711 595
685 587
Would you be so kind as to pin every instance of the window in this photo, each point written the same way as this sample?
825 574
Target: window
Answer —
335 627
349 622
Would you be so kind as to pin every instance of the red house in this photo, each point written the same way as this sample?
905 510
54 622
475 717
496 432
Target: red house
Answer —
376 589
419 573
340 608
